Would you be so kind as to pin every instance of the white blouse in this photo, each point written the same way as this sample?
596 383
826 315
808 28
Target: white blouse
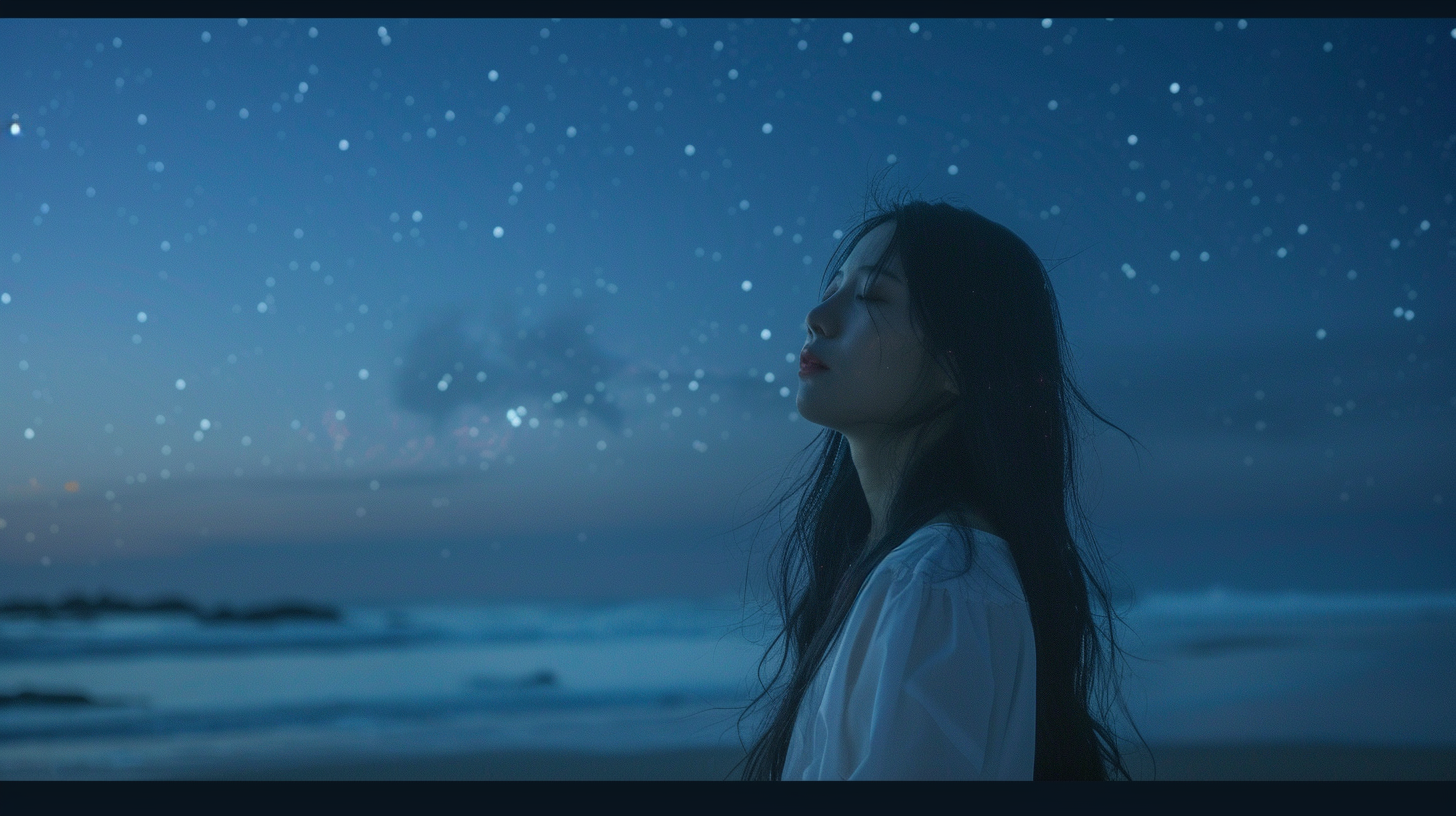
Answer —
932 676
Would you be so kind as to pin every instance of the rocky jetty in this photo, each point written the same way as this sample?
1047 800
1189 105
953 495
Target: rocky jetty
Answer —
81 607
30 697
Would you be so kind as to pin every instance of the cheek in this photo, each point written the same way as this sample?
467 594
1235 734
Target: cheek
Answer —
885 362
888 348
865 351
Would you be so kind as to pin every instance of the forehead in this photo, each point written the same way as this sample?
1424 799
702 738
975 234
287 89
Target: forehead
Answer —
868 251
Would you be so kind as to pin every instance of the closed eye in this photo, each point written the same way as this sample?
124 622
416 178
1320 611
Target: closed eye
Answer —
828 293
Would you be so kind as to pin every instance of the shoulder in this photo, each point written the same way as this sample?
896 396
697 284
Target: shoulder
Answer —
936 557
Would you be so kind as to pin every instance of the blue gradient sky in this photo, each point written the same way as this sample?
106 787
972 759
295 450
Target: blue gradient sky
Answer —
680 185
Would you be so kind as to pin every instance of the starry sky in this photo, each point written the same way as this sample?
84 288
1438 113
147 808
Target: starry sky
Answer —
418 308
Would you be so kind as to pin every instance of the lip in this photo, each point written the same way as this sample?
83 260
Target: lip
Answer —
809 364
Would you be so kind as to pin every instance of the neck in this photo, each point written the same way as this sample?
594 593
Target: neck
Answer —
880 460
878 463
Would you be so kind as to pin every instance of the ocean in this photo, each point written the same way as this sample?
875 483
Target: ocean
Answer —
158 696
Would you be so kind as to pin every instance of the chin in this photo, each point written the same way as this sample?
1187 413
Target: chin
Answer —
806 408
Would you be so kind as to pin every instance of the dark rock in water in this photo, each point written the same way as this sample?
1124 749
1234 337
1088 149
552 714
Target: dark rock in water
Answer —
79 606
544 678
45 698
270 614
84 608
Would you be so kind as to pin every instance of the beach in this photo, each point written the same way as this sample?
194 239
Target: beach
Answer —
1278 762
1223 686
1298 763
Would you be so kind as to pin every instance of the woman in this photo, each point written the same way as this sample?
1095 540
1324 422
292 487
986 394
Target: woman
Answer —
938 615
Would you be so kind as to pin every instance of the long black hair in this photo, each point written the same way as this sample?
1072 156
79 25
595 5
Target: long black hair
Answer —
983 306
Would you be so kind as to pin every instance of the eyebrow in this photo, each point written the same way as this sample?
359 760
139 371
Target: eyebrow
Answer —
884 273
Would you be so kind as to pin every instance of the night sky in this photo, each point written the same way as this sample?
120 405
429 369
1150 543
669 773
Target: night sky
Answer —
396 308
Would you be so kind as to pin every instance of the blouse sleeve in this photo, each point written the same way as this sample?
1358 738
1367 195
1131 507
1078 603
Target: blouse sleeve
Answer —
927 682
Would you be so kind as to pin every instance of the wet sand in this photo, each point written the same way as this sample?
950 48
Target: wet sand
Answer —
674 764
1295 762
1174 762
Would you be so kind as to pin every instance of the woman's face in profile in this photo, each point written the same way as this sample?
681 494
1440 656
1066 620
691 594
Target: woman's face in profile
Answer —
864 335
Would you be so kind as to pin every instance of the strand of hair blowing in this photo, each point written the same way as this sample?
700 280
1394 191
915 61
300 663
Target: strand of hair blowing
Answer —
979 293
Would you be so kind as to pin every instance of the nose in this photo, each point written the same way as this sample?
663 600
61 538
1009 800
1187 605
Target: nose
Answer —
818 320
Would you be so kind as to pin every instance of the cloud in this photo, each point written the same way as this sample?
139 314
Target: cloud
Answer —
454 361
460 359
